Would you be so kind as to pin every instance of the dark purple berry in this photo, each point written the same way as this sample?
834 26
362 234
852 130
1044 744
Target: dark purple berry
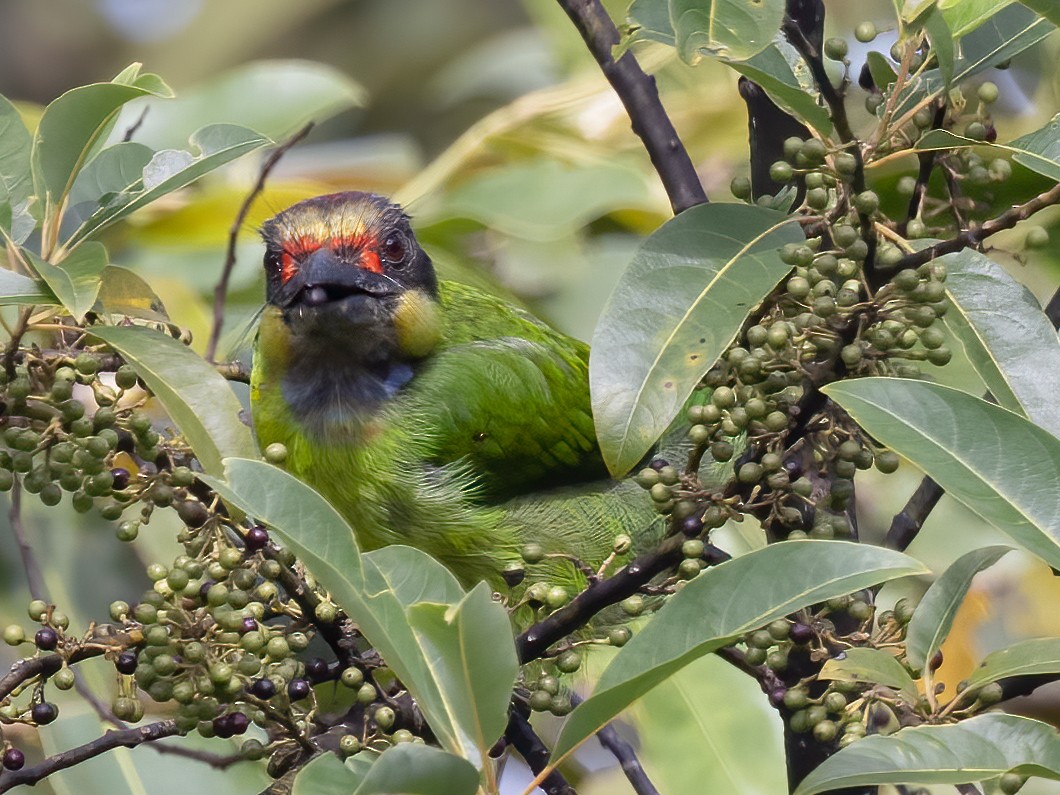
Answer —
991 134
257 538
250 624
44 713
14 759
263 688
317 669
936 661
298 689
121 478
126 662
659 463
206 586
776 696
238 723
46 638
222 727
692 525
193 513
126 442
801 633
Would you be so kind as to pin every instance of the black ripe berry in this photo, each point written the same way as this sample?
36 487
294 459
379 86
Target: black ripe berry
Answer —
317 669
238 722
298 689
44 713
263 688
121 478
659 463
257 537
801 633
46 639
14 759
126 662
692 525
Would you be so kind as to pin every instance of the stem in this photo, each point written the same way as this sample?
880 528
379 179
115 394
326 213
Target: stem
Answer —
640 96
522 737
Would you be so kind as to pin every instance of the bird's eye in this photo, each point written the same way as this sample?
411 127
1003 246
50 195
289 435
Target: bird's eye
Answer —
394 248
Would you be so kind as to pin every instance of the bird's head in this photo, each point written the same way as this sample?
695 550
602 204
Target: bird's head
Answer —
346 270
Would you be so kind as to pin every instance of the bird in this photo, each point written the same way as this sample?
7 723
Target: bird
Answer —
429 412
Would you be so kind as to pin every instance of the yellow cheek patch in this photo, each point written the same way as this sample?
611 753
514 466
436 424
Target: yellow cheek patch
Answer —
418 323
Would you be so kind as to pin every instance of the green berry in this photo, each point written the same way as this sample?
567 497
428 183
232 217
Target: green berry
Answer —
569 662
1011 783
619 636
14 635
740 187
865 32
867 202
633 605
836 48
533 553
276 453
384 717
781 172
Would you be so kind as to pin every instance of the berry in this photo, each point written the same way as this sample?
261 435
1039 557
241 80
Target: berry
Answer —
836 49
256 538
14 759
317 669
865 32
44 713
298 689
384 718
37 609
569 662
14 635
740 187
46 639
781 172
801 633
126 662
263 688
276 453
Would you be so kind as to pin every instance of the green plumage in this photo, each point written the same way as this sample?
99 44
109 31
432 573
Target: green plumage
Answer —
467 450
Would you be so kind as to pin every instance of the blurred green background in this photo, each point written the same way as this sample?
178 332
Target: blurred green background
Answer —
489 120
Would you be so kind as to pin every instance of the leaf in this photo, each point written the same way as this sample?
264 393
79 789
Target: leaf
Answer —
198 400
104 179
1047 8
942 41
1009 340
478 685
784 75
17 289
998 464
1027 658
377 589
1039 150
872 666
975 749
122 292
675 309
171 170
730 29
709 729
16 184
721 604
934 615
882 72
411 769
964 16
70 129
325 773
75 281
274 98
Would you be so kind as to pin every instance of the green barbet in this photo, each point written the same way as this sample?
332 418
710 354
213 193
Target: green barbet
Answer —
428 412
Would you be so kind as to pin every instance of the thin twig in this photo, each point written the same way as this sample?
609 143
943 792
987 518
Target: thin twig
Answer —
640 96
220 293
234 371
34 577
927 165
625 754
535 753
128 738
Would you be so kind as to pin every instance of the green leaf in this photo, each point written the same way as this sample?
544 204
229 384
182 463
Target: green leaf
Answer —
1006 336
1047 8
16 183
75 280
942 40
195 396
676 308
124 293
477 685
1027 658
1039 150
544 199
871 666
708 729
170 170
964 16
411 769
721 604
934 615
378 590
325 773
72 127
975 749
880 68
273 98
731 29
17 289
784 75
997 463
105 178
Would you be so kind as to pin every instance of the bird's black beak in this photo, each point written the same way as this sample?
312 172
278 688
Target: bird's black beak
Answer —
325 278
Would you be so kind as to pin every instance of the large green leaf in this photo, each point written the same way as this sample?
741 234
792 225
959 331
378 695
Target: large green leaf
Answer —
871 666
708 728
784 75
721 604
411 769
1026 658
730 29
997 463
964 16
976 749
18 289
934 615
123 293
1047 8
104 179
1006 336
198 400
16 183
676 308
325 773
275 98
1038 150
172 169
74 125
381 590
75 280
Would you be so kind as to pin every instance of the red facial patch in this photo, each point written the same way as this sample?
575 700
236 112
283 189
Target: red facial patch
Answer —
370 261
362 246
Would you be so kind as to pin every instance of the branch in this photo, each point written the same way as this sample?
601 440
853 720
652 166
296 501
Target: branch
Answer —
640 96
927 165
34 578
220 293
522 737
624 753
128 738
976 233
